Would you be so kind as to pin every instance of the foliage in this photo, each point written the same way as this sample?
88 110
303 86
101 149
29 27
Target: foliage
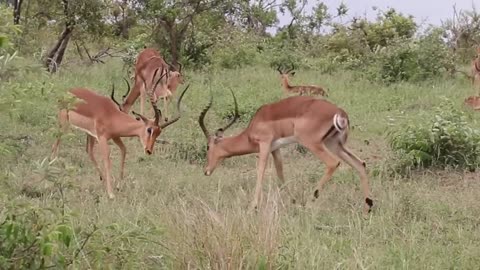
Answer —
8 32
445 140
410 60
462 32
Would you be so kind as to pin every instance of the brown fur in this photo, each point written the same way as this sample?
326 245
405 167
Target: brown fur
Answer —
309 121
147 62
102 120
302 89
472 102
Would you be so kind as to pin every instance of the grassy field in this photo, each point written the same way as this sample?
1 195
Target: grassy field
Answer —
168 215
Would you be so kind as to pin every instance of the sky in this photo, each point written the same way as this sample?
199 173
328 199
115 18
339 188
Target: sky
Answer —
428 11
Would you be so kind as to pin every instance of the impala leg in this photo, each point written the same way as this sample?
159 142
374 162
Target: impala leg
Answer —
63 122
261 165
165 107
102 142
277 160
331 164
123 152
338 149
91 154
142 100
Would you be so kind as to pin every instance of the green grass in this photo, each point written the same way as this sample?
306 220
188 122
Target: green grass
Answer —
169 216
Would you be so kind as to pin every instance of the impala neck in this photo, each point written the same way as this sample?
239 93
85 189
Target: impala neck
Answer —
129 127
130 99
285 83
172 85
237 145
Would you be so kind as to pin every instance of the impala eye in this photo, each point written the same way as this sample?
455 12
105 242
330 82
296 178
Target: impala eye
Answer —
208 147
149 130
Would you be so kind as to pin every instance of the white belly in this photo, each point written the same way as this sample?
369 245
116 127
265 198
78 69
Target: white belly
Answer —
86 131
279 143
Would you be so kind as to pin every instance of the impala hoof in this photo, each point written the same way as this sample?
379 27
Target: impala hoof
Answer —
316 193
369 205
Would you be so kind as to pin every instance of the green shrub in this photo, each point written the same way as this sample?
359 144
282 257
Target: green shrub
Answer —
445 140
409 60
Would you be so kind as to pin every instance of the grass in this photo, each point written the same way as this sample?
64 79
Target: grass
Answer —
167 215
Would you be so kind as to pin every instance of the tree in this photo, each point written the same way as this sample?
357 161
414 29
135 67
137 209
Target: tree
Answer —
172 19
83 13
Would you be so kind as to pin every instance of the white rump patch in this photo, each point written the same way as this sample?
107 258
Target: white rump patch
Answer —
339 122
279 143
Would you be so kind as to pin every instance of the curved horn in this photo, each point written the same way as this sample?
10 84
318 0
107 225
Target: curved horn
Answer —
179 67
279 70
159 79
166 124
128 90
291 69
202 117
235 117
158 112
170 66
112 96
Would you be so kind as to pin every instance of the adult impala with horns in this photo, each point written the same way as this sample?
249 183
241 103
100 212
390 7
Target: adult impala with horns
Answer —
319 125
101 118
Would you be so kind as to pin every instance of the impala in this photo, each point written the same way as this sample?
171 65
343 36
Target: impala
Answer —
317 124
473 102
148 61
300 89
102 120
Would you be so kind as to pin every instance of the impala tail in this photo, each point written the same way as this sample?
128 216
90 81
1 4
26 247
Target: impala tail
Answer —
340 122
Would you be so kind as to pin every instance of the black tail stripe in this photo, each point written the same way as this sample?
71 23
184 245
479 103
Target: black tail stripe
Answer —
329 132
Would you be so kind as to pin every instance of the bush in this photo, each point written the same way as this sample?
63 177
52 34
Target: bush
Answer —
446 140
410 60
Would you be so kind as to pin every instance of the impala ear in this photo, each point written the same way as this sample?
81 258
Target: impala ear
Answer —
219 134
140 117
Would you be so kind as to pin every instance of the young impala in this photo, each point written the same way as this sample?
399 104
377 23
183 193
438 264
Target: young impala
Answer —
103 121
317 124
148 61
300 89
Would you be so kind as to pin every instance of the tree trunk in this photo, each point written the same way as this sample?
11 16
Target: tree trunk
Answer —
124 24
174 47
55 56
17 8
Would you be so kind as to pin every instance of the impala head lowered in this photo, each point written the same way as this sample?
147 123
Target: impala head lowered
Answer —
152 127
175 76
215 153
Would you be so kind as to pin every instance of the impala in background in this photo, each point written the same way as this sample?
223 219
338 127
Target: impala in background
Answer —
148 61
298 89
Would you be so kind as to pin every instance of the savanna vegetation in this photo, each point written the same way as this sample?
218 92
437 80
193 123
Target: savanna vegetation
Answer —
401 82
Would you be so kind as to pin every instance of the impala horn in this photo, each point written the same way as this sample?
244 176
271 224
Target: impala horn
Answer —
202 117
179 67
128 88
235 116
291 69
279 70
166 124
112 96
